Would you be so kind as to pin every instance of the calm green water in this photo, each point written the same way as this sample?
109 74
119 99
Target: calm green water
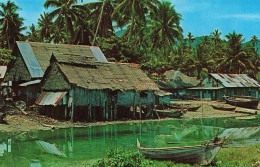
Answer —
90 143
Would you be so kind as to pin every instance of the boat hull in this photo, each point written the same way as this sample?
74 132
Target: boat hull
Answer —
170 113
253 103
200 154
224 108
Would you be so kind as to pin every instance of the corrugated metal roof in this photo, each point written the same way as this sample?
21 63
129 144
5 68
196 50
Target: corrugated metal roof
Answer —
50 98
30 60
30 83
206 88
2 71
98 54
235 80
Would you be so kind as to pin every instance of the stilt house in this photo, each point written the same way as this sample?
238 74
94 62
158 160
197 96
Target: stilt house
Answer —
94 91
32 60
214 86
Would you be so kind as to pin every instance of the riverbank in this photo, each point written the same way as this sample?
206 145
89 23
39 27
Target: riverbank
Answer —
32 121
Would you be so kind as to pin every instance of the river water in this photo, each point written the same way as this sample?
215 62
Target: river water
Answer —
73 145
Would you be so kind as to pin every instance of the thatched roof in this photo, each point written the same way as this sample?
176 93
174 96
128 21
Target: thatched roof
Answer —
177 80
36 57
98 75
108 76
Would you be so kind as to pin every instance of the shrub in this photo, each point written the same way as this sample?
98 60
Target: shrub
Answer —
122 157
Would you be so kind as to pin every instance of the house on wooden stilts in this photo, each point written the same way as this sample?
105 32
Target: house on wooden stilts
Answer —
32 60
94 91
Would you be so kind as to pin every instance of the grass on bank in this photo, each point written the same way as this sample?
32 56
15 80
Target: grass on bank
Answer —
227 157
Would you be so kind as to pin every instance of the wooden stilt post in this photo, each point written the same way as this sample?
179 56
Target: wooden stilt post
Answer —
140 110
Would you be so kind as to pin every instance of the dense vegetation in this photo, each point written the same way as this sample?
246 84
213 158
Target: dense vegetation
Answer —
152 36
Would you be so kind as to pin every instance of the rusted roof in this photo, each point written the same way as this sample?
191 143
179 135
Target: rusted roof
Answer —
50 98
2 71
235 80
43 51
108 76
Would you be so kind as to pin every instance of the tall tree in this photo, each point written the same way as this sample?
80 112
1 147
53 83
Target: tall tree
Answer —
45 27
215 37
164 27
11 23
66 11
33 34
190 38
136 9
254 40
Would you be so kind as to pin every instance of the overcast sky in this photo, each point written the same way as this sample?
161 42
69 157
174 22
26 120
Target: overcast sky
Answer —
200 17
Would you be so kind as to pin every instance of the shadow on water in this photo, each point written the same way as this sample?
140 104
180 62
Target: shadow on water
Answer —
78 144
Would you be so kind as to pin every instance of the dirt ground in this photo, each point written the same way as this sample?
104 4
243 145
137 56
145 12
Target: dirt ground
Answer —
33 121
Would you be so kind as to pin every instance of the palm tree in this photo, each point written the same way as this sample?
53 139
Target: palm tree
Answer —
103 11
237 59
254 40
164 27
33 34
136 9
11 23
66 11
190 38
206 40
216 37
45 24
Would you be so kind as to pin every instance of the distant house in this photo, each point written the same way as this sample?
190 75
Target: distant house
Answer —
32 60
214 86
89 90
177 82
3 91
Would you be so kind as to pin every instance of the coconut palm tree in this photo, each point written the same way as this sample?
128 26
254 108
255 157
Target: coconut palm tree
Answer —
11 23
66 11
136 9
164 27
254 40
237 59
32 35
215 37
45 27
102 10
190 38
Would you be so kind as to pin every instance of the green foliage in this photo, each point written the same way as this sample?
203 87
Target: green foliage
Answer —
6 56
122 157
117 49
229 157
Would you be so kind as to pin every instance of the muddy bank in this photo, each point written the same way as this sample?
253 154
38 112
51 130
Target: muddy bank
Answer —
17 123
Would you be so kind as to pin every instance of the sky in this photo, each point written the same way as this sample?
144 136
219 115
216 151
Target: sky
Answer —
200 17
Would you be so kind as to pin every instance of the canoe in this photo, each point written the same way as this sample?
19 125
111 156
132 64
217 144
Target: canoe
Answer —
187 107
170 113
242 102
223 107
199 154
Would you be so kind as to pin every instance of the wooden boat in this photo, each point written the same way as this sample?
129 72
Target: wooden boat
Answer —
223 107
199 154
187 107
242 102
170 113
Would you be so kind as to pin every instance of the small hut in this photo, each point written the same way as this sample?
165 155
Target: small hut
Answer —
177 82
32 60
95 91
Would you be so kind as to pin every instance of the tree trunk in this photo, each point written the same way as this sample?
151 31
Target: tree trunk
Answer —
99 21
131 28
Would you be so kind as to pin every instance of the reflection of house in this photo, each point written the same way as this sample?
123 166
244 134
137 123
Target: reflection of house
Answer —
93 90
177 82
32 60
214 86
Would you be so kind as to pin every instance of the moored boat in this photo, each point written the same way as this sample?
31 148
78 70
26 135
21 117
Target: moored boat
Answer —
224 107
242 102
187 107
199 154
170 113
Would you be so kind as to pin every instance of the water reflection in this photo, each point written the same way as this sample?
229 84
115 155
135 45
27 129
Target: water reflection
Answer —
79 144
